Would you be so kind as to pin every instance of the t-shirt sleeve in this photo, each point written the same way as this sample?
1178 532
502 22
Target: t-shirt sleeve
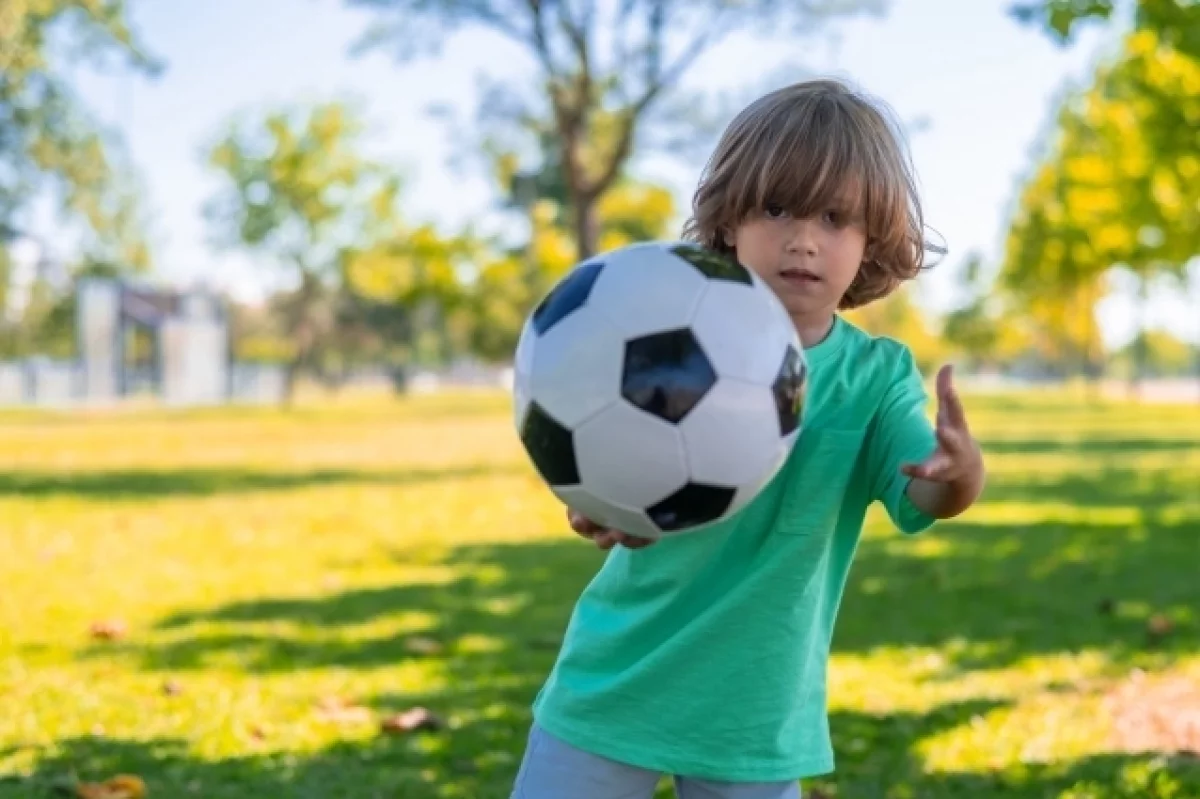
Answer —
902 433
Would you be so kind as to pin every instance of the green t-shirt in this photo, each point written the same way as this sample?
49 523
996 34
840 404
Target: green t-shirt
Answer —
705 655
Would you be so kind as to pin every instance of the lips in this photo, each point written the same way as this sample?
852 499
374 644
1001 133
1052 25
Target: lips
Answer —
799 275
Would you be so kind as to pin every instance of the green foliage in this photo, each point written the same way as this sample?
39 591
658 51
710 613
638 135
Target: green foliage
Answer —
47 139
1158 354
1062 17
295 185
1176 23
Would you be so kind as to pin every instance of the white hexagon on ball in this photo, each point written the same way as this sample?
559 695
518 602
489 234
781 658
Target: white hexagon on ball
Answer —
720 454
577 366
728 307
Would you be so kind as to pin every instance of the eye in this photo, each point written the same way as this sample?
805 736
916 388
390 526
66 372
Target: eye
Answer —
775 211
835 218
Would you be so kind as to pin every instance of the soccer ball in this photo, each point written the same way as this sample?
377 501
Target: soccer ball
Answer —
657 388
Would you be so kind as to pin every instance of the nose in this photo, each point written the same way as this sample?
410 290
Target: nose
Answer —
802 238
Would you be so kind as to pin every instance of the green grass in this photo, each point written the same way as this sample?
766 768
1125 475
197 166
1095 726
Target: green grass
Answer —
264 562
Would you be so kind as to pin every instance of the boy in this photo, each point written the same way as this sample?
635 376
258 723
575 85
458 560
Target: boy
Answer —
704 656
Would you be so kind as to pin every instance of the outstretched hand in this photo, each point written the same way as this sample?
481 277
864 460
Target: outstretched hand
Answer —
957 456
603 537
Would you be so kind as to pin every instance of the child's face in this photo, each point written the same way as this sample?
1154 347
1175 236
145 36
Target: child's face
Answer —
808 263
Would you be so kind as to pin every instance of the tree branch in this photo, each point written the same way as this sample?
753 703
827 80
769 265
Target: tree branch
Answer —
661 81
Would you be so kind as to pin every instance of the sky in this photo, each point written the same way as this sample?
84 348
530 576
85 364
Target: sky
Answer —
977 86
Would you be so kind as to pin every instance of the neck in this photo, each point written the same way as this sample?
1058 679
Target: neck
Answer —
812 331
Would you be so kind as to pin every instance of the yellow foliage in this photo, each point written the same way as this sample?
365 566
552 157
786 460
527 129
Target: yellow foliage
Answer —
553 250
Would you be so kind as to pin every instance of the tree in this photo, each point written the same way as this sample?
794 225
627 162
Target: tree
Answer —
296 191
512 280
981 330
604 72
47 139
1117 187
1175 23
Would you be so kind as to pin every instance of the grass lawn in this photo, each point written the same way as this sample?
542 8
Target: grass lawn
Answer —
279 583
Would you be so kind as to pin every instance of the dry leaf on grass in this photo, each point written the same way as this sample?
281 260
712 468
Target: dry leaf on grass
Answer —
108 629
122 786
416 719
337 709
420 645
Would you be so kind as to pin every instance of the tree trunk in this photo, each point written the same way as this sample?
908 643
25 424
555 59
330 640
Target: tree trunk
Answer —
1139 343
289 383
301 333
1197 368
587 225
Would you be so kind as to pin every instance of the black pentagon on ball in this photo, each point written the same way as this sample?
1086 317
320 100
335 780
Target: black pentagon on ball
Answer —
713 264
789 388
666 373
570 293
691 506
551 447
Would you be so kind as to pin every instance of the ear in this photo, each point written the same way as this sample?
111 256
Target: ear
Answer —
729 237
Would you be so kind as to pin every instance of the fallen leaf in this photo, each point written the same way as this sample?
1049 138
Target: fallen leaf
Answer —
108 629
421 645
413 720
122 786
337 709
1159 625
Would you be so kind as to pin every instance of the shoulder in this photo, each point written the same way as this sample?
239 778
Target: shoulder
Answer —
864 375
882 359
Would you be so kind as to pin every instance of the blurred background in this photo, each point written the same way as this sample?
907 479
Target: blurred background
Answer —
265 529
366 192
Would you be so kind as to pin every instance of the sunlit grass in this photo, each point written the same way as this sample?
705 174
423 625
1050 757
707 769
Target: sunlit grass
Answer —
400 554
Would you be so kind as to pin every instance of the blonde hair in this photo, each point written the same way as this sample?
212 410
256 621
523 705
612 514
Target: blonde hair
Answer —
806 147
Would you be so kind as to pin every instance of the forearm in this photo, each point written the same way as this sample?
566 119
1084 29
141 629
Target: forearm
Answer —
949 499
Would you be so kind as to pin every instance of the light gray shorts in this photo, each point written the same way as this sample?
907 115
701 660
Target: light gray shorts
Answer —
553 769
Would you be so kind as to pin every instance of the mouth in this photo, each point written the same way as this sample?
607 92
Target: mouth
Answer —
799 276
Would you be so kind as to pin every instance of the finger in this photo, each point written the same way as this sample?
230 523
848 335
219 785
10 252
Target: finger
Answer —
634 542
932 468
582 524
606 540
950 439
950 409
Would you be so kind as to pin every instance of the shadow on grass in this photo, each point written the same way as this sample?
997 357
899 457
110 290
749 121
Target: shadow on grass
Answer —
145 483
874 756
502 614
986 593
